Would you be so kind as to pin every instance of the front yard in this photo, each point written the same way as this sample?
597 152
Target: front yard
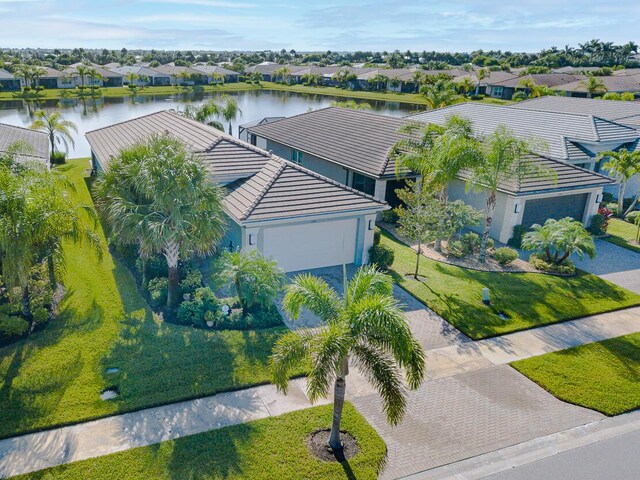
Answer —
623 234
56 376
603 376
528 299
265 449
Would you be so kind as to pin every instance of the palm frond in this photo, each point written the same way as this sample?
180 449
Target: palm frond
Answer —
314 294
329 346
290 351
367 281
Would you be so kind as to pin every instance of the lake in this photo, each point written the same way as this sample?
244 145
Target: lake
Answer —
89 114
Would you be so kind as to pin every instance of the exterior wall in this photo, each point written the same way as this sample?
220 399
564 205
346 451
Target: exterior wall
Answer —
328 169
66 82
11 84
233 238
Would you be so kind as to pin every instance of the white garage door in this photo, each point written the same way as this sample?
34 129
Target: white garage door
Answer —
311 245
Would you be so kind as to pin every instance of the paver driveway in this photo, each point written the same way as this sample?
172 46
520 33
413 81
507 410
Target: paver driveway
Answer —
615 264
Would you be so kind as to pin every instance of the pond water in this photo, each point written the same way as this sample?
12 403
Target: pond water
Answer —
89 114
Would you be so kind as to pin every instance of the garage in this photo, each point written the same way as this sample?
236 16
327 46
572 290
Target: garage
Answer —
538 210
311 245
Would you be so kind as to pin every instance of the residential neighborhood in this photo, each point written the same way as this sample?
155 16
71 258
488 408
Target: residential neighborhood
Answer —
324 263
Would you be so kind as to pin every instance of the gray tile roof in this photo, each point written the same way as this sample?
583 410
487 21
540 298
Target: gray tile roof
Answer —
138 70
174 70
555 129
103 72
626 113
357 140
567 176
282 189
548 79
491 78
214 69
39 141
622 83
6 75
224 156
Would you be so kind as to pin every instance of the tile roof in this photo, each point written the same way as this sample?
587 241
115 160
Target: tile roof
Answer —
6 75
567 176
214 69
282 189
548 79
555 129
622 83
357 140
103 72
138 70
39 141
490 79
174 70
224 156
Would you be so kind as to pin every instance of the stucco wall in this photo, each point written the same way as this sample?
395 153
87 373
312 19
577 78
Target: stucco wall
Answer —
328 169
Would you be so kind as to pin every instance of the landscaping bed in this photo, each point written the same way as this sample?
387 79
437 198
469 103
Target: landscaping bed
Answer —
525 300
603 376
264 449
56 376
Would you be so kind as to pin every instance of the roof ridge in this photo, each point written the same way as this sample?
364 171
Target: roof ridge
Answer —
129 120
23 128
252 206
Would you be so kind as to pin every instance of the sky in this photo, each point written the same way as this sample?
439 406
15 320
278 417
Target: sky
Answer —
315 25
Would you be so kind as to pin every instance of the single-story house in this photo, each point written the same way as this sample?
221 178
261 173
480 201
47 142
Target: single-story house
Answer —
482 85
265 69
505 89
181 75
211 73
55 79
351 147
104 78
243 130
38 141
296 216
612 84
143 76
571 145
9 82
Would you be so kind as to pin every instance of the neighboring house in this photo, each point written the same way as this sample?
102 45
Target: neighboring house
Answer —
181 75
482 85
570 144
299 218
243 130
505 89
55 79
211 72
613 84
38 141
265 69
104 78
9 82
348 146
143 76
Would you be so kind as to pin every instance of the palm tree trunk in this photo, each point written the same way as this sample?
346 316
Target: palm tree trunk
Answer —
172 254
489 210
230 129
52 139
621 189
145 271
339 390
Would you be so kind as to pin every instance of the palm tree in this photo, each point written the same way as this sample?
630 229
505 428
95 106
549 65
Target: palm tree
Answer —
93 76
622 165
131 77
466 85
480 75
208 112
156 195
559 239
417 78
36 73
229 110
82 70
58 129
501 157
441 93
366 325
593 85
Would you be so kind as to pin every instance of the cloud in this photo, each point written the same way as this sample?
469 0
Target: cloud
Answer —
205 3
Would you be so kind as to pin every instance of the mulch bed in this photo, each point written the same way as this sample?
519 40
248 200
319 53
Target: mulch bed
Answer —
318 443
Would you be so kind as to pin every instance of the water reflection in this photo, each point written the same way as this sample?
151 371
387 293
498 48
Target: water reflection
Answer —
90 113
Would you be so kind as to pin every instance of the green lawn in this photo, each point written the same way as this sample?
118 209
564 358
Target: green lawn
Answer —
603 376
265 449
55 376
529 299
623 234
411 98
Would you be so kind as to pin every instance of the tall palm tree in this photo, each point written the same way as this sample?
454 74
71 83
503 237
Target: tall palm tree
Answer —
156 195
208 113
229 110
93 75
466 85
593 85
480 75
366 325
622 165
56 127
82 71
417 78
441 93
501 157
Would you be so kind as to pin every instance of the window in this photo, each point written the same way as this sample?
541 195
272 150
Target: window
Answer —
252 139
497 91
364 184
296 157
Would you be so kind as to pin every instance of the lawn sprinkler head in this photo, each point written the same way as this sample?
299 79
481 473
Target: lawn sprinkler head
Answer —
486 299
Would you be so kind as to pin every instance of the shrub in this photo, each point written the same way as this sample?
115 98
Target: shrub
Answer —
158 291
456 249
390 216
632 217
519 96
156 266
471 242
479 96
189 313
266 318
11 326
627 97
516 239
40 291
600 221
381 255
376 236
611 96
40 315
203 307
191 281
539 263
58 158
505 255
557 240
490 243
612 207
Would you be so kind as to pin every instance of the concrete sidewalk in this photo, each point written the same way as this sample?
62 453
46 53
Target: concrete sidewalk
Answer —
49 448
